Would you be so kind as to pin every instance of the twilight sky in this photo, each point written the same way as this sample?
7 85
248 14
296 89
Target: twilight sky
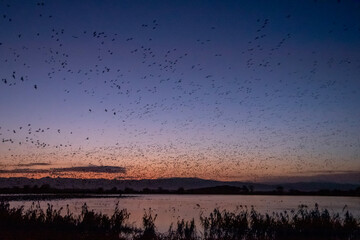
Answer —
227 90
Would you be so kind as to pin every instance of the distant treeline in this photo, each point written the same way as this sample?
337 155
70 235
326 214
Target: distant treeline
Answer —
225 189
243 224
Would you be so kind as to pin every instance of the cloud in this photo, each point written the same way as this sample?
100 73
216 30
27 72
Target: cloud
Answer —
33 164
25 170
84 169
95 169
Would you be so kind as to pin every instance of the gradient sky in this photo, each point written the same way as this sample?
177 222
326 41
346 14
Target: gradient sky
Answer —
227 90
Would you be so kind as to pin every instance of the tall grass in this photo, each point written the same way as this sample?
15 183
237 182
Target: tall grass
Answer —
244 224
304 223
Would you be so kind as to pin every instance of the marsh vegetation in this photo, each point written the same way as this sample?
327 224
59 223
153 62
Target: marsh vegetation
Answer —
245 223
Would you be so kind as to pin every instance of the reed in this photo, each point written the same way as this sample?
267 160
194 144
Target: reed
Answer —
243 224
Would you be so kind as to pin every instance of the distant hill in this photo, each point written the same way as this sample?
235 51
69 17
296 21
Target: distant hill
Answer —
167 183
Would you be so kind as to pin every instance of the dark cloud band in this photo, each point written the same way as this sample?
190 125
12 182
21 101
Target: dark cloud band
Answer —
85 169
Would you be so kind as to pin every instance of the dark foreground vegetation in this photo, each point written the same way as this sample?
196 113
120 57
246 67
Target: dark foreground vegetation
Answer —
303 223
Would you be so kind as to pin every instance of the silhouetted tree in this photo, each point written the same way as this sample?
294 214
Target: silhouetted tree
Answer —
45 188
181 190
280 189
244 189
129 190
26 188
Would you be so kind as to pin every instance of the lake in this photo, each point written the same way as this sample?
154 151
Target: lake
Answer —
171 208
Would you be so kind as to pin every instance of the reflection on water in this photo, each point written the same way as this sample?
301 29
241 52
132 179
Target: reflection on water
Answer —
170 208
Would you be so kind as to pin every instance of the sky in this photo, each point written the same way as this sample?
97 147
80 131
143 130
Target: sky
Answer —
225 90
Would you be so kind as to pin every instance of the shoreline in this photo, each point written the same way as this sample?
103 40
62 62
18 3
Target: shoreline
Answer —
73 195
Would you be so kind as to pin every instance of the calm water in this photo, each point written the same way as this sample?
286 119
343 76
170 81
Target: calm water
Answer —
170 208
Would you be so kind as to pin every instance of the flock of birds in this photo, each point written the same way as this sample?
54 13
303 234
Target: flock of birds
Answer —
161 107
